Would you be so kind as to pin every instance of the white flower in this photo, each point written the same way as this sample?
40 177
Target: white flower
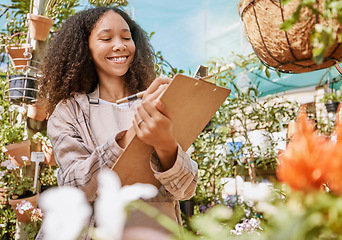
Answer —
24 158
234 186
221 150
1 109
19 118
24 206
12 108
2 174
9 165
21 110
256 192
66 211
109 207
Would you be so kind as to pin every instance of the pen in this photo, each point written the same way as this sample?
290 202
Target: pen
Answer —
131 98
141 94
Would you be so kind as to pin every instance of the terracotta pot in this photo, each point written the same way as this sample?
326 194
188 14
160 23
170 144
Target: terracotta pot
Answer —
39 26
26 216
17 57
49 154
37 111
15 151
3 196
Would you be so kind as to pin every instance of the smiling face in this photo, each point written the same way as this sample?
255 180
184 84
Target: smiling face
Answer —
111 46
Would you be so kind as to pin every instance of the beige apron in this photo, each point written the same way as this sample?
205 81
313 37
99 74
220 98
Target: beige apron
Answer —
105 121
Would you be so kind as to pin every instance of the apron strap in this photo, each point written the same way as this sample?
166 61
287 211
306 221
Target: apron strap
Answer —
93 97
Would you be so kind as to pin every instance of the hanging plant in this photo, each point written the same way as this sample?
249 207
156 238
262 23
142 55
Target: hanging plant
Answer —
293 35
19 50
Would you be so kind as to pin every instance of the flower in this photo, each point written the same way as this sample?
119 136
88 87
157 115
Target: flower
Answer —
256 192
24 206
302 164
247 226
110 214
14 179
9 165
334 178
112 198
249 191
234 186
37 215
67 212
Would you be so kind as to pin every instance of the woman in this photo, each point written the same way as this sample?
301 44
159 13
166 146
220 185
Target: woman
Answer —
97 57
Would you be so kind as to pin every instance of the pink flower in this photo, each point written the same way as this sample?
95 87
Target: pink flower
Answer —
37 215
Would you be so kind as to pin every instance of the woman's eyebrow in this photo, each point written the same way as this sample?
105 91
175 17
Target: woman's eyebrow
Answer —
106 30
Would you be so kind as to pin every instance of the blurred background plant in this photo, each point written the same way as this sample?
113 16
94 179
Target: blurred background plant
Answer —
245 134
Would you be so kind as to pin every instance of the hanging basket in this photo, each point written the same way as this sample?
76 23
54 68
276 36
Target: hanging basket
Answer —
22 88
290 51
331 106
39 26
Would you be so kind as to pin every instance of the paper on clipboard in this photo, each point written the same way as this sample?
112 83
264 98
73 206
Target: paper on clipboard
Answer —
192 103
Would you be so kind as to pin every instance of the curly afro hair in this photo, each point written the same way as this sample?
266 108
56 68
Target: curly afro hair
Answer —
68 68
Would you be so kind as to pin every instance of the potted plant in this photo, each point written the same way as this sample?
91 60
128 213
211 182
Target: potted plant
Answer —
13 136
19 187
19 51
47 177
331 101
39 25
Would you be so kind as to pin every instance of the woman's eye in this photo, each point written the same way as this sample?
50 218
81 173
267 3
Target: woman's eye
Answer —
105 39
127 38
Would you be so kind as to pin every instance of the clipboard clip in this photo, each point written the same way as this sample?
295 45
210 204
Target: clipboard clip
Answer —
202 71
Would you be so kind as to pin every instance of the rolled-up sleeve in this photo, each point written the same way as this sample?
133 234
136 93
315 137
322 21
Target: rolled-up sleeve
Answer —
180 180
78 162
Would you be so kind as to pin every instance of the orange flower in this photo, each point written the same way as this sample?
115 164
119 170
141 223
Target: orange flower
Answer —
335 156
302 164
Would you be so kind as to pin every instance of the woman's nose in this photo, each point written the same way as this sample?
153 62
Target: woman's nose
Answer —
119 46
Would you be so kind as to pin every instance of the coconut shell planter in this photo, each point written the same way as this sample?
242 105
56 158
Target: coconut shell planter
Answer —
291 51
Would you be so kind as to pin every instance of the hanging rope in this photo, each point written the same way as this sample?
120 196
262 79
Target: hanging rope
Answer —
27 54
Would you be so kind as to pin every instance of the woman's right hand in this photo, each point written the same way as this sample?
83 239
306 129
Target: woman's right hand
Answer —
151 95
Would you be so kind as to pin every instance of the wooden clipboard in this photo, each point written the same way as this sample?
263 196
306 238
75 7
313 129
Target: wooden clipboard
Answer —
192 103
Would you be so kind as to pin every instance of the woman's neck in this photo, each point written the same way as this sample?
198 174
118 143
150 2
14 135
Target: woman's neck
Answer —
112 90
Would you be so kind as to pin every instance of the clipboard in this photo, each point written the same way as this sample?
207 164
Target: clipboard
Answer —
192 103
